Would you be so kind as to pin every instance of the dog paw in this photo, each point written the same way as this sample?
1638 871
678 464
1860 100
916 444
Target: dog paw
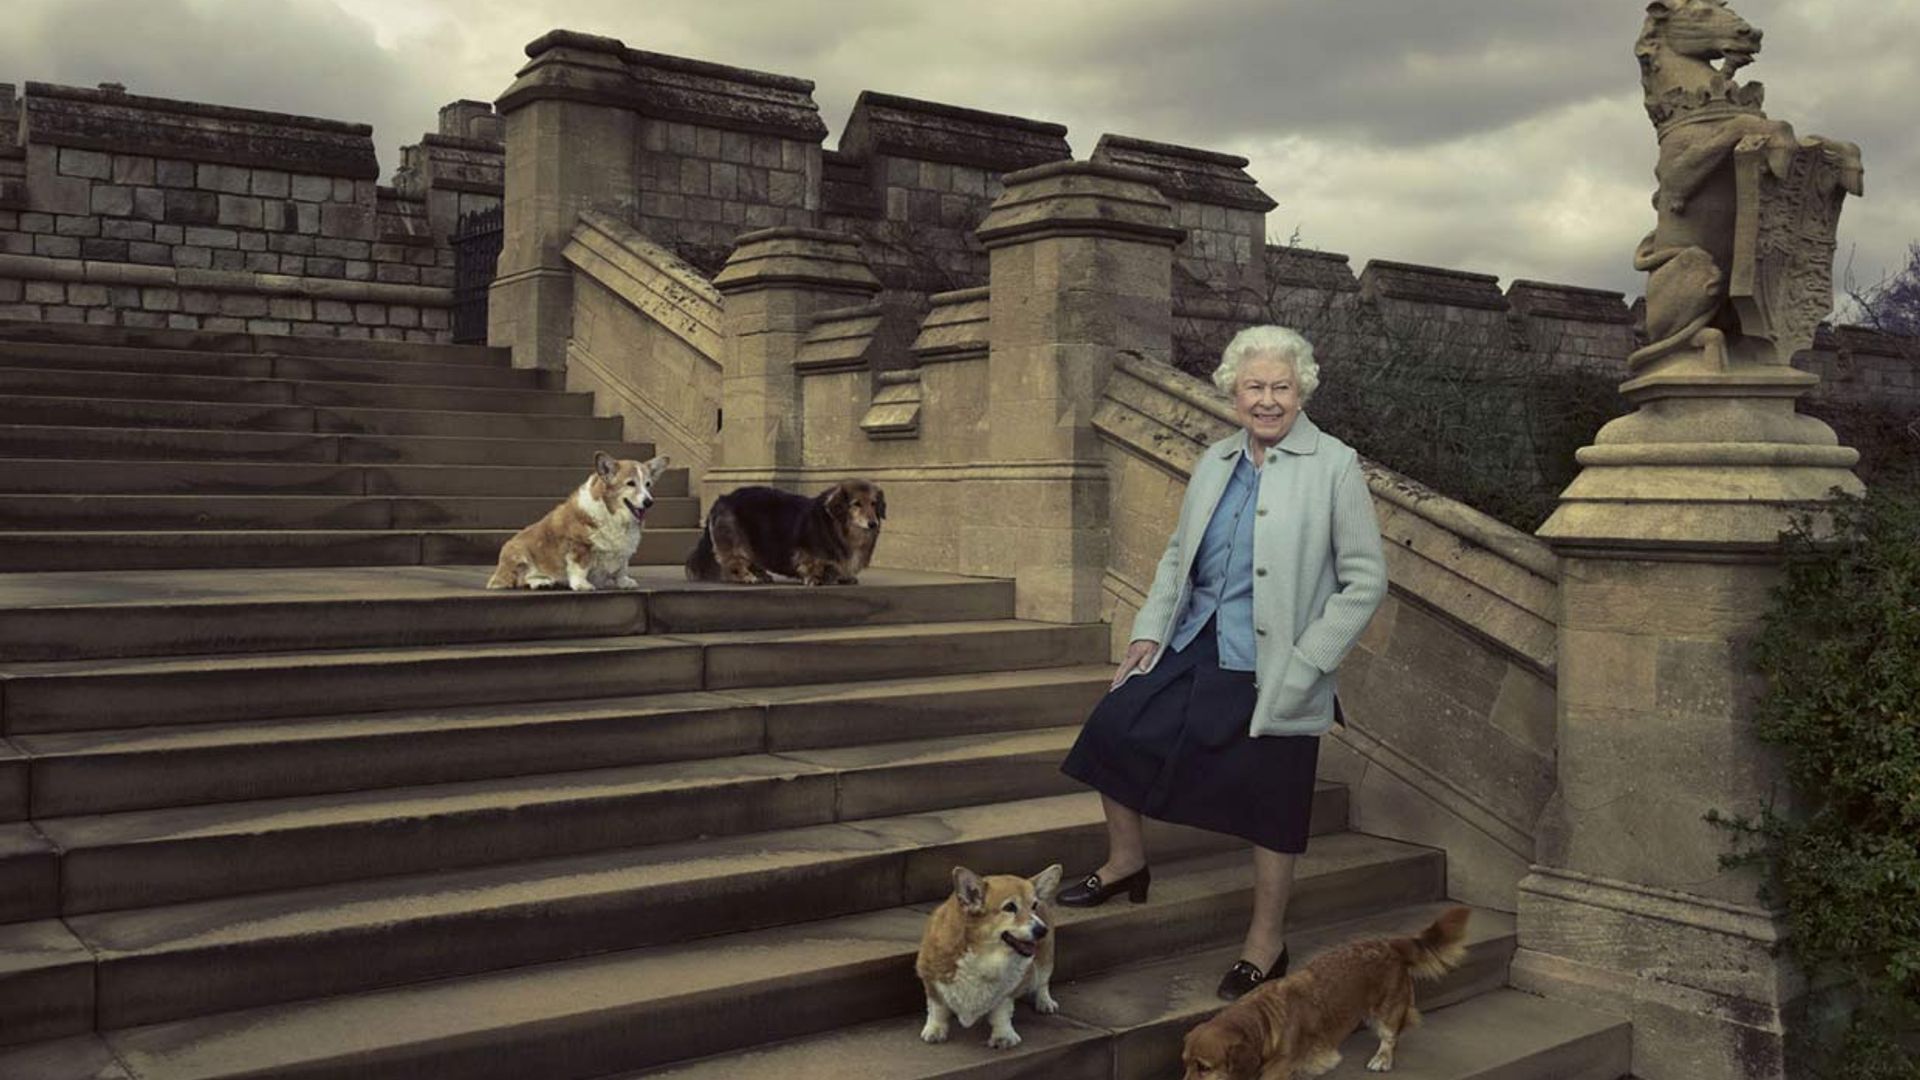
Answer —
1380 1063
626 582
1044 1003
933 1033
1003 1040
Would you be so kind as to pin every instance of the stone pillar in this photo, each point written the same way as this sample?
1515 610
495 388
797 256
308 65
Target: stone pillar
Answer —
1080 265
571 144
1668 541
774 284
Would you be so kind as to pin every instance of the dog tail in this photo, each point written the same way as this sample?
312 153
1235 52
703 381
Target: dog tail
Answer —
701 563
1439 948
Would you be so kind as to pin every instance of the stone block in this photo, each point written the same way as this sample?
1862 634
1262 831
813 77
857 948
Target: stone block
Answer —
224 324
173 174
169 234
706 142
766 151
370 314
347 220
436 318
26 312
189 207
104 250
694 176
36 223
290 245
46 292
277 327
359 270
189 257
51 192
83 295
310 188
343 191
241 211
292 308
736 147
229 259
437 278
260 262
243 305
160 299
326 267
333 311
57 247
91 164
73 225
114 200
422 256
212 238
151 320
403 315
183 322
389 333
395 274
338 248
11 290
293 264
307 217
64 314
150 204
271 182
150 254
389 253
227 179
723 180
133 170
253 241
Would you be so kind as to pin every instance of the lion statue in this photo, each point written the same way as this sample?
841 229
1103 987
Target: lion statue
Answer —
1701 116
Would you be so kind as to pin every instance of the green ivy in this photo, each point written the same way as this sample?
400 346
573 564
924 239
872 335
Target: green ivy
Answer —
1840 652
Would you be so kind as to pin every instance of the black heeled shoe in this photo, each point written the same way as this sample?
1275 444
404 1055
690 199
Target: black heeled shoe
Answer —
1093 892
1242 977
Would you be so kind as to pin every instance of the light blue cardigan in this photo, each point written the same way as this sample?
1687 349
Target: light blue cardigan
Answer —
1318 570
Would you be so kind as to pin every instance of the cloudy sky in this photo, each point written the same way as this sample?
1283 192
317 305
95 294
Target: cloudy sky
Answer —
1504 136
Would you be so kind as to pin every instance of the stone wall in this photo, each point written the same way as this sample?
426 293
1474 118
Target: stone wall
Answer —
148 212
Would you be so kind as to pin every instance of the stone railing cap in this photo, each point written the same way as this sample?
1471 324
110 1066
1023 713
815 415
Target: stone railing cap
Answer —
933 131
1188 173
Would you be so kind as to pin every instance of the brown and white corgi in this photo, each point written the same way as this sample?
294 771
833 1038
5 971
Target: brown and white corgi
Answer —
586 542
988 944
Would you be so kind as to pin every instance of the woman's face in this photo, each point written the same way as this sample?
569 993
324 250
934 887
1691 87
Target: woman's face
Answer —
1266 397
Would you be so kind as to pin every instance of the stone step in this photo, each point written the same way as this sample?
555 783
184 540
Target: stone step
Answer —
62 382
46 985
29 476
68 335
29 873
13 782
435 371
96 772
104 412
67 443
91 694
650 1006
161 513
214 956
119 613
71 550
110 862
1128 1025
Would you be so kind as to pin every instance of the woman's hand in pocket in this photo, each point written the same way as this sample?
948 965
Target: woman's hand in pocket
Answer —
1138 653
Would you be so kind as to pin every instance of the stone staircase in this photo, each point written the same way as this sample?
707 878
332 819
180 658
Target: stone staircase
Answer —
326 808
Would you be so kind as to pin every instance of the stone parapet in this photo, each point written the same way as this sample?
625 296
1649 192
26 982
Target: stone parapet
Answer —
955 327
1308 269
891 126
1544 300
117 122
1222 209
1383 280
1188 174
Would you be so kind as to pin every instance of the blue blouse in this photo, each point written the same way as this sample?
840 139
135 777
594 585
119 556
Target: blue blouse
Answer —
1223 573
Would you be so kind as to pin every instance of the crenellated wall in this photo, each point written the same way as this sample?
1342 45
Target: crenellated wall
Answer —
119 209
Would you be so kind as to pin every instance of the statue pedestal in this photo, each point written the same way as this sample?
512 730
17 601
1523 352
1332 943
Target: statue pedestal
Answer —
1669 542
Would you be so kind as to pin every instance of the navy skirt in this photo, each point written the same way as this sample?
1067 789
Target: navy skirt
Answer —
1172 744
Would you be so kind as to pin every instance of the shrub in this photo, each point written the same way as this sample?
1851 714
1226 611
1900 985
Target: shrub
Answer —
1840 651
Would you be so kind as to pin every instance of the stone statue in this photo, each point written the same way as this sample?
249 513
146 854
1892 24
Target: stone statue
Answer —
1741 256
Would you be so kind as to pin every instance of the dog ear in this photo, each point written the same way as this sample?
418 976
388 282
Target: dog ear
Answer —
1046 882
970 889
604 464
657 466
1660 9
837 502
879 504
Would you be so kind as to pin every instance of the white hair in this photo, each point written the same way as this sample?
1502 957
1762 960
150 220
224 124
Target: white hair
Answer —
1275 341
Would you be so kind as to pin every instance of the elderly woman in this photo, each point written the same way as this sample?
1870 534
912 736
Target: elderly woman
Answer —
1215 715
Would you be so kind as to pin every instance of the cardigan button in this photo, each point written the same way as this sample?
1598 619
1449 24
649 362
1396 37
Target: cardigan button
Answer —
1260 631
1262 511
1260 572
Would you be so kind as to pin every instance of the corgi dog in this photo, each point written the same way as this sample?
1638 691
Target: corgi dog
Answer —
986 945
1294 1026
587 541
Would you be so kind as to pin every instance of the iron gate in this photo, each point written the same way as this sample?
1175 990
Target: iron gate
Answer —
476 250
